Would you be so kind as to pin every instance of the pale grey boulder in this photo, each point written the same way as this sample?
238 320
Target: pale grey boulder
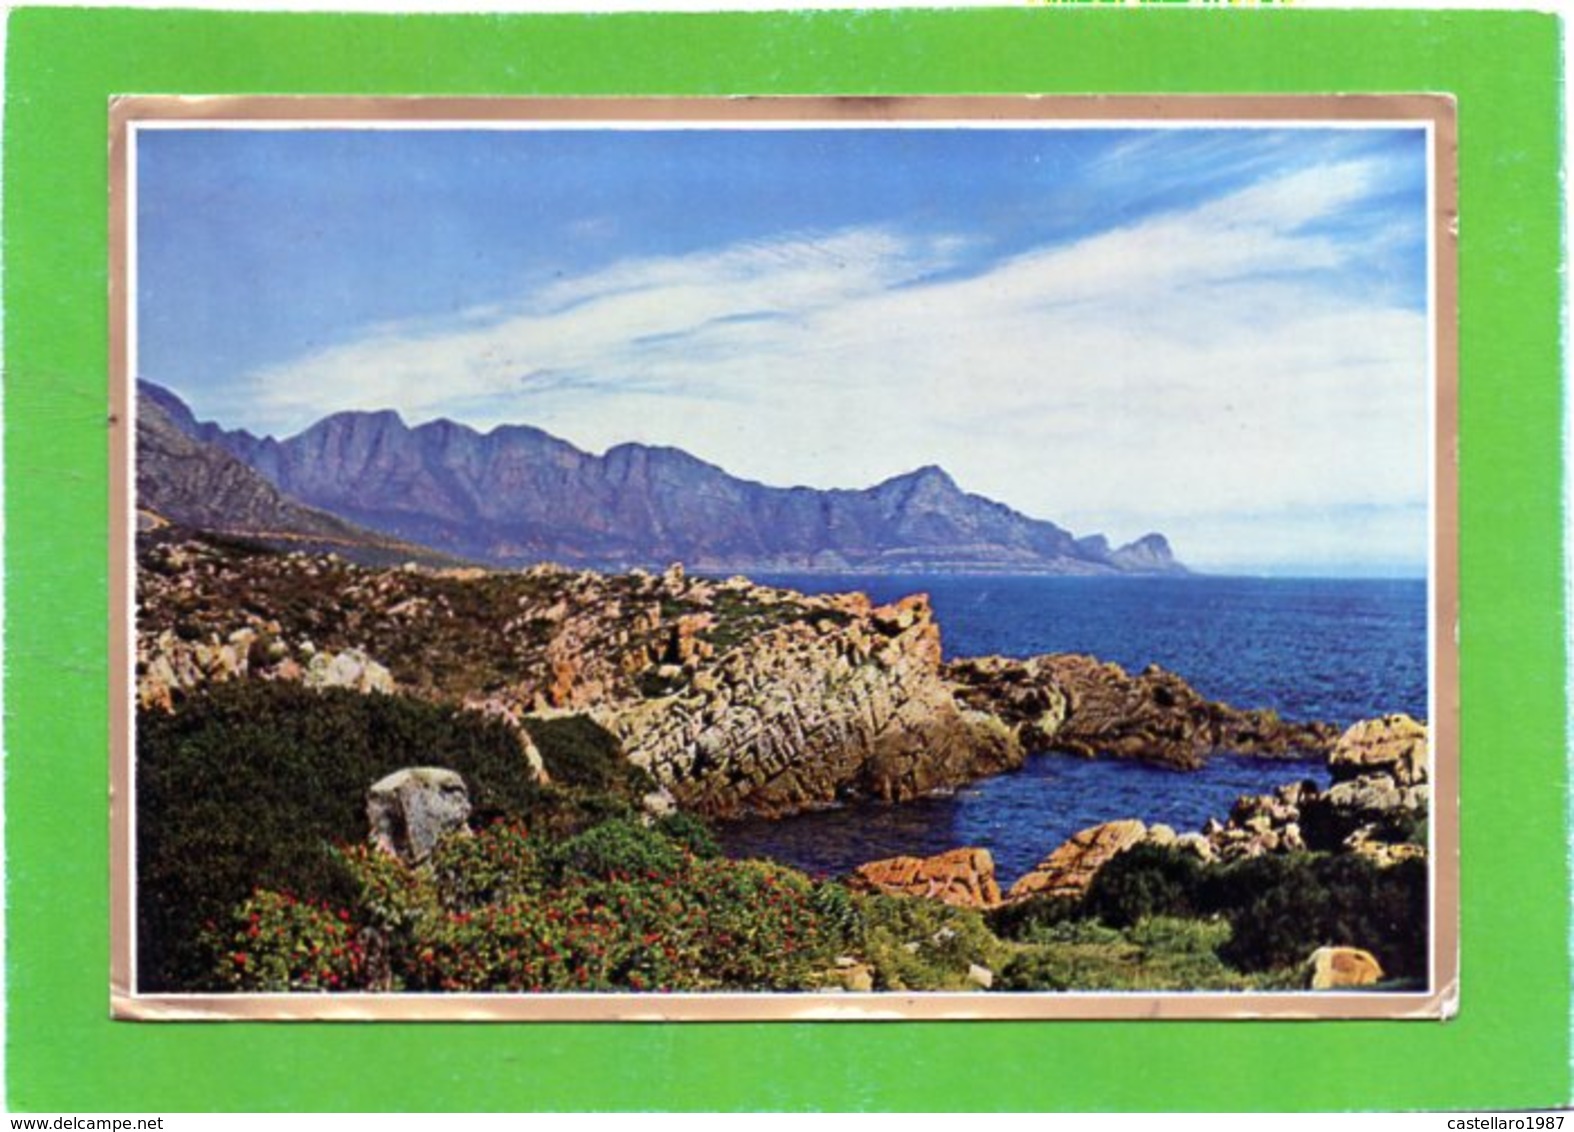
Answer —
352 669
411 810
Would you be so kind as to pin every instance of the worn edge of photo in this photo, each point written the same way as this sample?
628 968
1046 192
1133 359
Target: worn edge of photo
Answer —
1438 1001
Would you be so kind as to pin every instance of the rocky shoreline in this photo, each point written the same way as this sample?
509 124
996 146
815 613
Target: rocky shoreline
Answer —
727 699
1379 797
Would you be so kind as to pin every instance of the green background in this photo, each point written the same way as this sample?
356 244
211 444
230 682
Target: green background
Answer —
1509 1044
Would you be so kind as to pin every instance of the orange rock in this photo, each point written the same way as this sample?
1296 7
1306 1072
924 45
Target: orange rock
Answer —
1331 968
1070 869
961 877
686 644
564 674
856 604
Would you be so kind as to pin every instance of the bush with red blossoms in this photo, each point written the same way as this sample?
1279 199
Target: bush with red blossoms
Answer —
620 908
277 942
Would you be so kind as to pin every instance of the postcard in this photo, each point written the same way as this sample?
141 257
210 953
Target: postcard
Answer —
983 557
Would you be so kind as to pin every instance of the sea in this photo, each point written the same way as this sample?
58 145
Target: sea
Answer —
1330 649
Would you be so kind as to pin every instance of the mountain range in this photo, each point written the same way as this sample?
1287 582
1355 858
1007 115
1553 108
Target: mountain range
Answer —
518 495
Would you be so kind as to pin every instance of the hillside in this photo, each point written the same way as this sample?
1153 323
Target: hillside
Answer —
185 480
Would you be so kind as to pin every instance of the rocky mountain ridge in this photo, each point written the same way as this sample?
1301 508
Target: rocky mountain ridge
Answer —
517 495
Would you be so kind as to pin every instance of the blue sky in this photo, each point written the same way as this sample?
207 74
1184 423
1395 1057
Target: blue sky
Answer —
1218 333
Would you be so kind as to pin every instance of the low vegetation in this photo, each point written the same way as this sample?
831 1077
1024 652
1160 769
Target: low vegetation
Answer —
254 874
618 907
250 785
1260 917
740 616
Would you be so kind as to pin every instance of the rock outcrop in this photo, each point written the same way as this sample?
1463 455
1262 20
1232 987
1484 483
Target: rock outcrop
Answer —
1258 824
1370 815
411 810
351 669
1394 746
1367 810
1080 705
738 698
169 666
1338 968
964 878
1381 797
1021 693
814 712
1070 869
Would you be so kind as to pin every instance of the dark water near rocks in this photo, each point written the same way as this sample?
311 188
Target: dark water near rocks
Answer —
1331 649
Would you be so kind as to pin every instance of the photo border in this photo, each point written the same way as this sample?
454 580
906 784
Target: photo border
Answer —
1436 114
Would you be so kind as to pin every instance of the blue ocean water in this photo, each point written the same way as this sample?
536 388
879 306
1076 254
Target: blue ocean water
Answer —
1337 650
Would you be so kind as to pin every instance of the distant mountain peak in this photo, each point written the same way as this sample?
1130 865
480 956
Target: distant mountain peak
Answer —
927 474
1150 554
379 418
1096 545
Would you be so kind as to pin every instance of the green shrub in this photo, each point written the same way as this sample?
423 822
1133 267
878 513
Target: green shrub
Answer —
917 944
499 864
613 850
1401 827
759 929
1146 880
837 909
1161 953
483 917
1083 932
248 786
1029 919
561 811
689 832
1343 901
517 947
578 752
1325 826
1278 909
385 898
1057 969
1071 955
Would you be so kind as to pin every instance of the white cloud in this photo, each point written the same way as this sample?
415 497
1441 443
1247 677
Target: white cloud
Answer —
1190 365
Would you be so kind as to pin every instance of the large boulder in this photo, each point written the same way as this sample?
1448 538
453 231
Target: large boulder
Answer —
1070 869
1336 968
413 809
961 877
1394 745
